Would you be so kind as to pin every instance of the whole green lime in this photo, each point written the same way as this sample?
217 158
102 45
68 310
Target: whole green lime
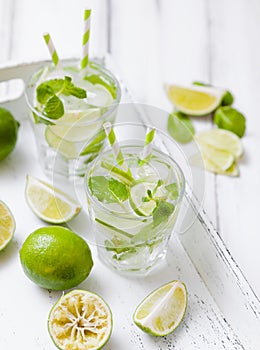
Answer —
8 132
56 258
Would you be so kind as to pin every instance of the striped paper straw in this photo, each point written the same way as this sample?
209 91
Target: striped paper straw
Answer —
148 144
51 47
115 147
85 40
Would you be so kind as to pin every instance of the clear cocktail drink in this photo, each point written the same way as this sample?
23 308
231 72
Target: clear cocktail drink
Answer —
134 210
67 107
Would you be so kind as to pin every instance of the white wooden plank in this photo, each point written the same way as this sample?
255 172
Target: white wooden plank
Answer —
236 57
168 42
64 21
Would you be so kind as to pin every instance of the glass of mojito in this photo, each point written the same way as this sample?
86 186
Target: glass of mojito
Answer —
134 203
67 107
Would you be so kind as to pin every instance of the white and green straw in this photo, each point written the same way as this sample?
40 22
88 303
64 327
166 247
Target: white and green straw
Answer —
115 146
149 137
85 40
51 47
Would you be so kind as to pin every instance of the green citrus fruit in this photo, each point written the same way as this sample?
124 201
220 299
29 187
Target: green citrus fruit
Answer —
80 320
56 258
8 132
162 311
7 225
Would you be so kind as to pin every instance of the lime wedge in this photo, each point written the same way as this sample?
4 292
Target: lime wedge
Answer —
7 225
222 140
138 195
48 203
195 100
80 320
162 311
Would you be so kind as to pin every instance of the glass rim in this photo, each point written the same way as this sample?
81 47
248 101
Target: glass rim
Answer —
180 174
110 109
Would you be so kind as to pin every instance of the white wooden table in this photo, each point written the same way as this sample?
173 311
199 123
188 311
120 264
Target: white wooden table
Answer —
153 42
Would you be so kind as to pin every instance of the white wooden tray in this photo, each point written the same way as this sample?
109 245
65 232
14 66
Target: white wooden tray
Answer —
223 311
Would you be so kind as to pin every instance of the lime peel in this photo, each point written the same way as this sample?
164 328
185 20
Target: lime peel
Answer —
162 311
7 225
80 320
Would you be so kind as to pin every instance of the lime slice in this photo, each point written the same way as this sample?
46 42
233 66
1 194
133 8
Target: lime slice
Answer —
74 127
7 225
48 203
222 140
138 193
222 159
210 166
162 311
195 100
80 320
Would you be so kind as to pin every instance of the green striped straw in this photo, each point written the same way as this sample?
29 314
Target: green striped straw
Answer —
115 146
85 40
51 47
149 137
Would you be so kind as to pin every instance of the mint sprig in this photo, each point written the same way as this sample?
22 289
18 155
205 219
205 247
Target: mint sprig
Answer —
107 189
48 93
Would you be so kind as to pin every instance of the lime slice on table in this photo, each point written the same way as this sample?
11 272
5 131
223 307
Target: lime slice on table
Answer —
220 149
72 129
48 203
223 140
162 311
80 320
195 100
7 225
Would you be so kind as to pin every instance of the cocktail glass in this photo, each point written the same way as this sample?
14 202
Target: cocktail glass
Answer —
60 142
134 210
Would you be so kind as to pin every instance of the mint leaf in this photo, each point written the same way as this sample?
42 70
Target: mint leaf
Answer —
70 89
47 95
227 99
54 108
180 127
108 84
118 189
162 213
229 118
43 93
172 190
107 190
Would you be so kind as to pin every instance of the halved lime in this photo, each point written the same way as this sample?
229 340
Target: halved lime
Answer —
49 203
7 225
139 200
80 320
222 140
195 100
162 311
